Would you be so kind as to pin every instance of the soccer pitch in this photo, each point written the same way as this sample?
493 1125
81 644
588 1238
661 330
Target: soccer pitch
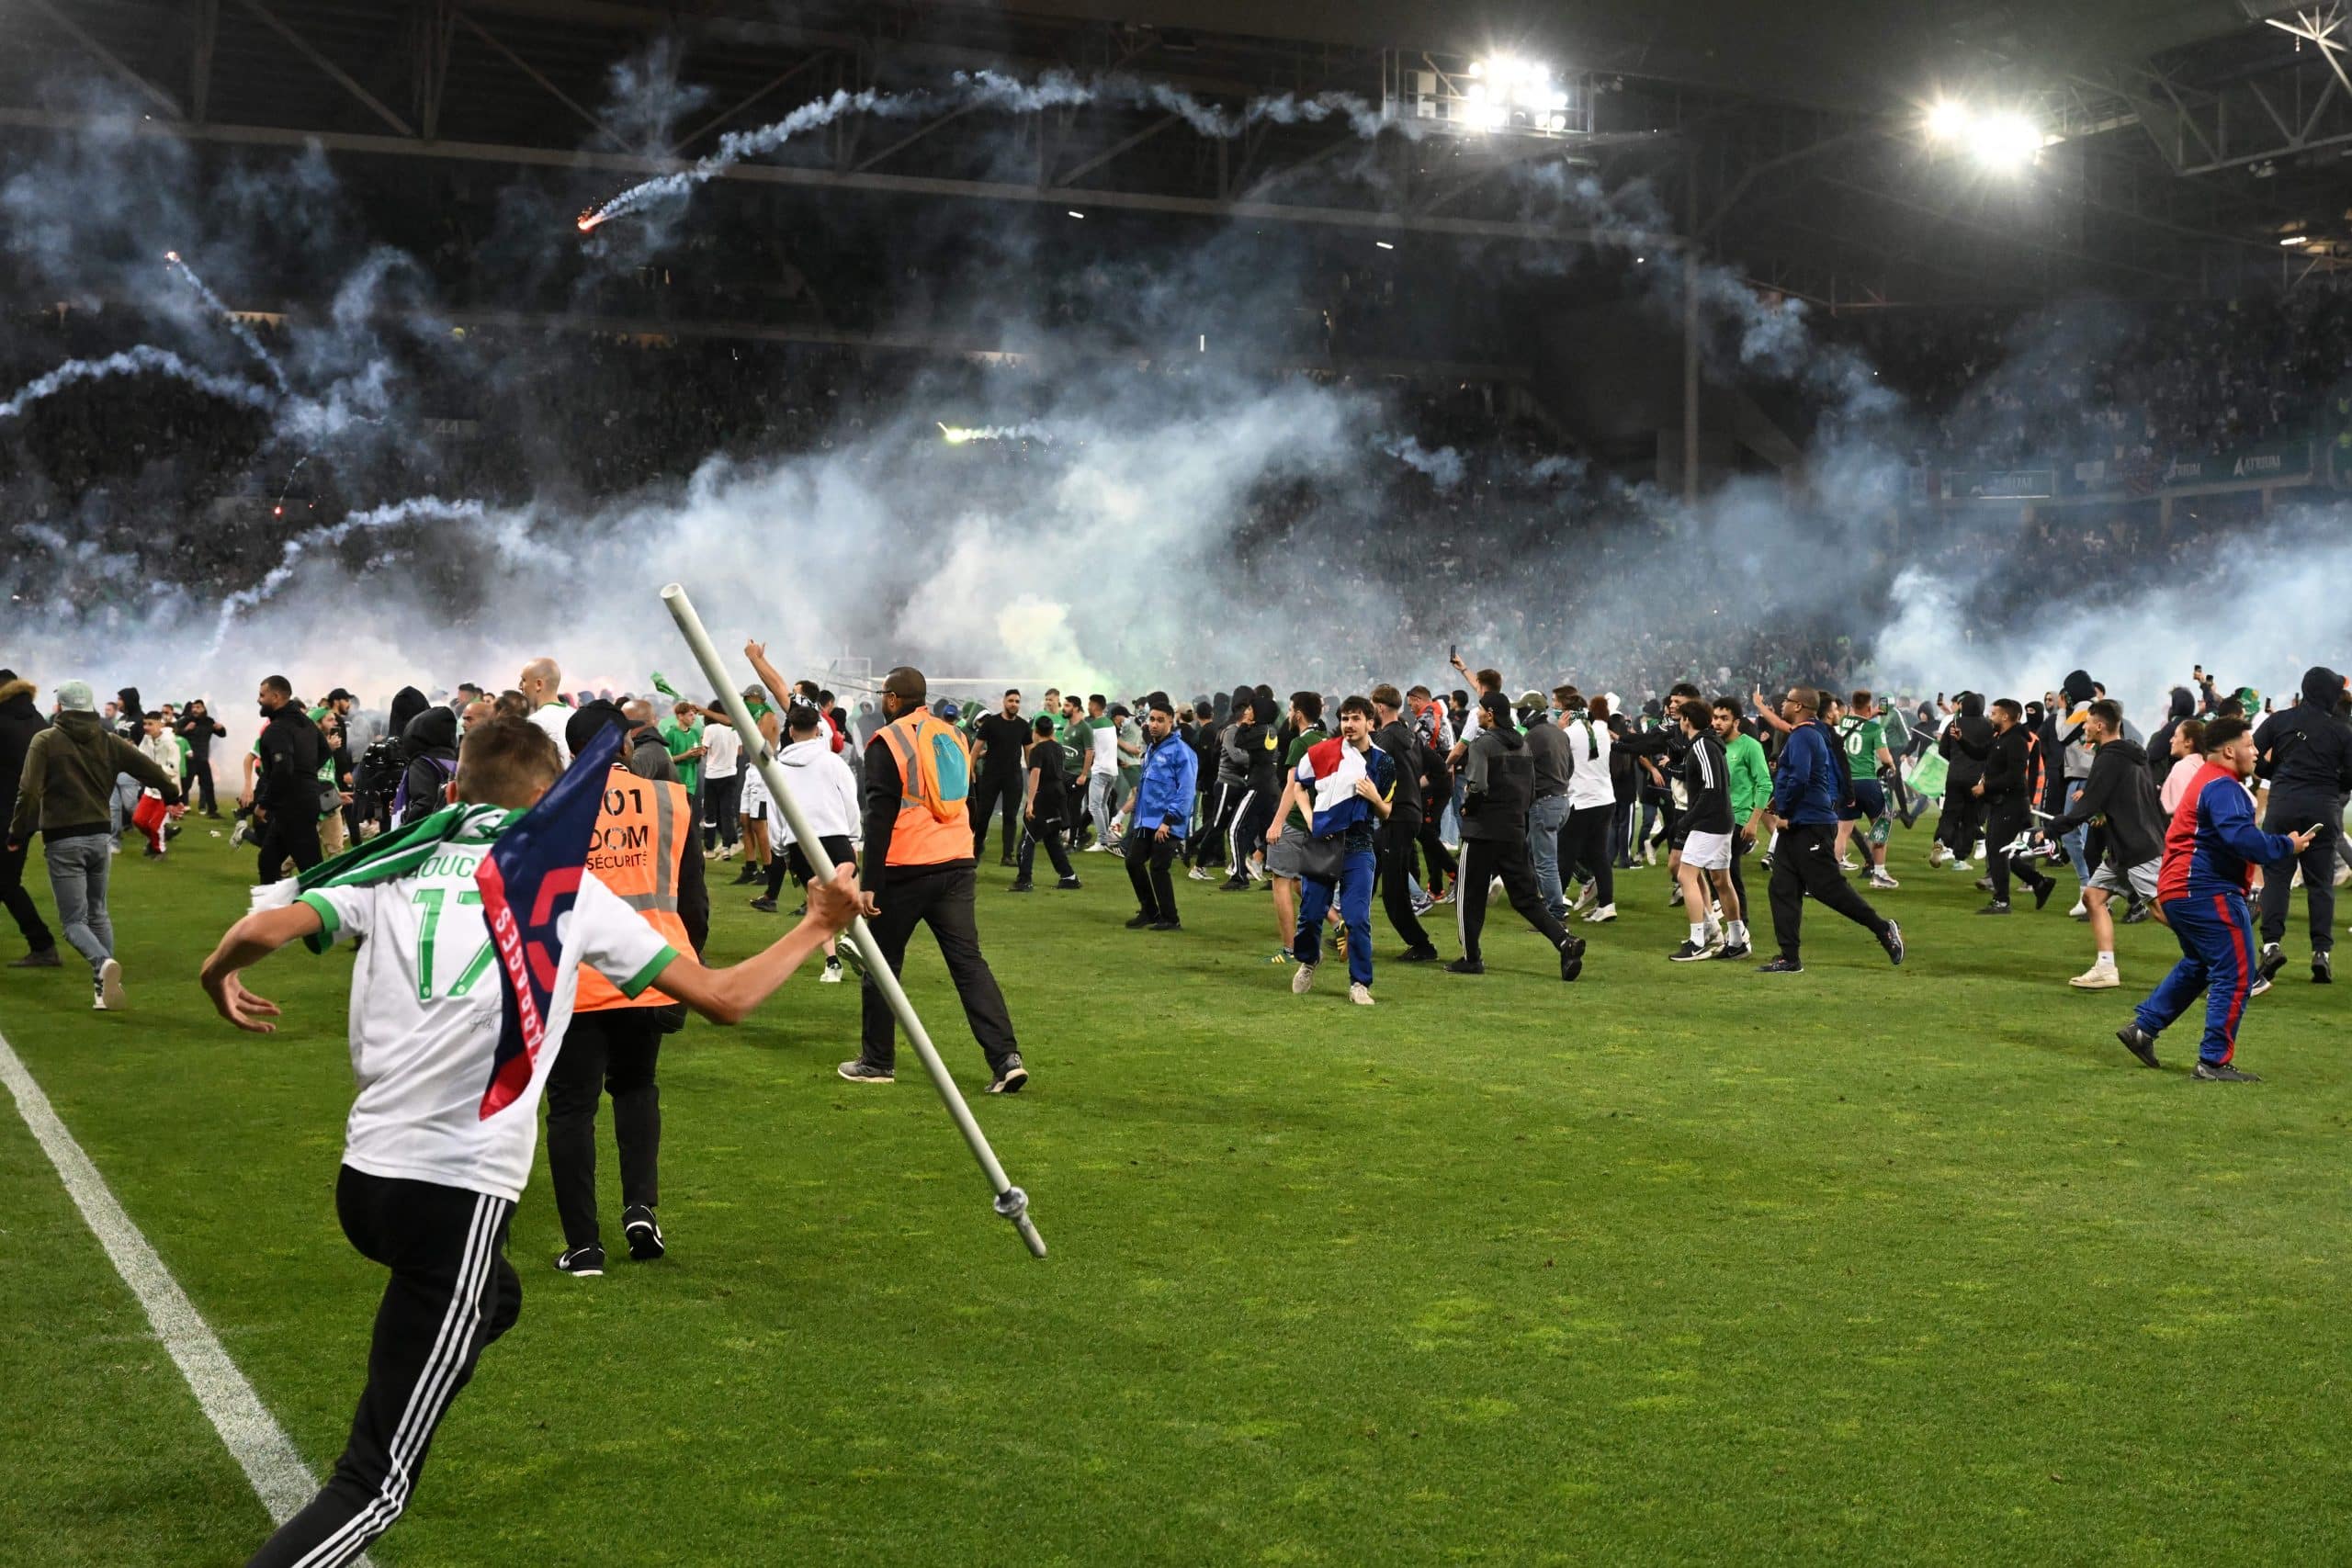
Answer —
1677 1264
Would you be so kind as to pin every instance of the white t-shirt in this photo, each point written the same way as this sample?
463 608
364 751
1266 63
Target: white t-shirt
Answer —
722 751
1106 750
1589 783
552 717
425 1006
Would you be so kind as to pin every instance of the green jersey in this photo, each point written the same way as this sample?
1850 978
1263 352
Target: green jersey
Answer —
1750 785
681 737
1863 737
1299 743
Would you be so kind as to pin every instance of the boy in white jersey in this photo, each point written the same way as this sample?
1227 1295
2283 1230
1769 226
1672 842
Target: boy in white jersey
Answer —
435 1152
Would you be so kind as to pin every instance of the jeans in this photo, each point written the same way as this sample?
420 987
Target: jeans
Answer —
77 880
1353 891
1101 791
1544 819
124 801
2074 840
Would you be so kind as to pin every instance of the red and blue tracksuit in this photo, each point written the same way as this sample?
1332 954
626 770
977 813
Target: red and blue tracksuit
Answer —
2211 849
1329 770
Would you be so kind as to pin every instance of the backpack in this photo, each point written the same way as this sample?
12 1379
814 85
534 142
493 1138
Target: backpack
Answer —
448 767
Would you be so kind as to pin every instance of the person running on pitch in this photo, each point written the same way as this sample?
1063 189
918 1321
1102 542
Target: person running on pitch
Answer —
2121 792
2212 846
1346 784
438 1144
1706 845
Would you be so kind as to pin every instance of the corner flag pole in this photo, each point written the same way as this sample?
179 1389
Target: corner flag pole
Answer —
1011 1202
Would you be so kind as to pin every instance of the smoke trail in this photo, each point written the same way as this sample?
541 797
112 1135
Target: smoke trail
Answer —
129 362
993 91
1444 466
421 507
958 435
244 333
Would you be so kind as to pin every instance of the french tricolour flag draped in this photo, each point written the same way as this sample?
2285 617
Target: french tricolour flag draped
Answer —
529 881
1331 768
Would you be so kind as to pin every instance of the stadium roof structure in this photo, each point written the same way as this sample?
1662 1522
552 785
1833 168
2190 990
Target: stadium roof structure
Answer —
2185 140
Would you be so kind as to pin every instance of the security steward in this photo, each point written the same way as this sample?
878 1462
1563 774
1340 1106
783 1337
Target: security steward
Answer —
920 868
648 850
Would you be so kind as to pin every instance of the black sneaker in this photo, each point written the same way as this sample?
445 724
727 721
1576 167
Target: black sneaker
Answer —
2323 969
2042 894
1688 952
1068 884
1142 919
863 1071
1780 966
1465 967
1573 947
38 958
1010 1077
643 1236
2140 1043
1571 961
1418 955
1023 886
1004 860
2221 1072
1891 939
2273 960
2141 911
749 874
584 1262
1167 925
1733 950
1997 907
765 906
1234 884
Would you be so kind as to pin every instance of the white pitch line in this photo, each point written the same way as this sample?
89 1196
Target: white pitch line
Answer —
255 1438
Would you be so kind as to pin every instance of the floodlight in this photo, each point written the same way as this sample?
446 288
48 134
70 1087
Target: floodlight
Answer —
1947 120
1477 69
2296 240
2004 140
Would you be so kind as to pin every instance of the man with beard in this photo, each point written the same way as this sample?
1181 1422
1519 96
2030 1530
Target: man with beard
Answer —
200 729
285 783
1806 793
2305 753
1004 738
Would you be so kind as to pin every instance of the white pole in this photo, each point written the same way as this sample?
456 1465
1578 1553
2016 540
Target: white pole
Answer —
1011 1202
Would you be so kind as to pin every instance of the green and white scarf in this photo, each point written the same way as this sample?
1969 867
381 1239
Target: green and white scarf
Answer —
387 855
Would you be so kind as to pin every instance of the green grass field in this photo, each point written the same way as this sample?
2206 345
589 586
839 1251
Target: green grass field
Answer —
1679 1264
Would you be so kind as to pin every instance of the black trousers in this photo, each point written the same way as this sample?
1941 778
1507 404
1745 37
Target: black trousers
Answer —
1437 860
2291 813
19 903
721 797
994 795
1584 846
290 833
1148 856
1740 849
1484 860
1398 836
2005 822
202 764
942 898
1957 829
1045 831
613 1051
1249 827
1804 863
1217 838
452 1293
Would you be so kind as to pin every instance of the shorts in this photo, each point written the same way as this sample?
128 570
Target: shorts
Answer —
837 849
2132 880
1707 851
1870 794
1285 855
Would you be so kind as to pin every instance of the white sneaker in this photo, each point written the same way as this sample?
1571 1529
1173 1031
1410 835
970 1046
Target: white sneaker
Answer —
833 975
2343 873
1360 995
1302 979
2079 912
1601 915
110 986
1197 875
1495 889
1586 893
1937 856
2098 977
1883 882
1961 865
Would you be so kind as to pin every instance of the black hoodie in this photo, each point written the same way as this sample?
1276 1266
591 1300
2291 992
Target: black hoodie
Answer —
1499 784
1967 741
430 738
2306 750
2160 757
2121 789
19 722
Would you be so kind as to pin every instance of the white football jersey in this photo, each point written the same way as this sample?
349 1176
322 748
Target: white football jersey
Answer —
425 1006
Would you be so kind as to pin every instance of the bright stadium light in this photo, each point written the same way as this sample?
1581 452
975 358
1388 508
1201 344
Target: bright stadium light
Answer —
2296 240
1947 118
2006 142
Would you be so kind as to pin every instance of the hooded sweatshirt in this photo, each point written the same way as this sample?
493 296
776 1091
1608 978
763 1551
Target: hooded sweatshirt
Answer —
19 722
823 787
2122 790
2077 690
430 744
1499 784
69 777
407 703
1967 741
2182 709
2305 752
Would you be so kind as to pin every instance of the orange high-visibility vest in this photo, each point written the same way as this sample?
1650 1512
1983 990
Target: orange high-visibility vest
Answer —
641 841
934 778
